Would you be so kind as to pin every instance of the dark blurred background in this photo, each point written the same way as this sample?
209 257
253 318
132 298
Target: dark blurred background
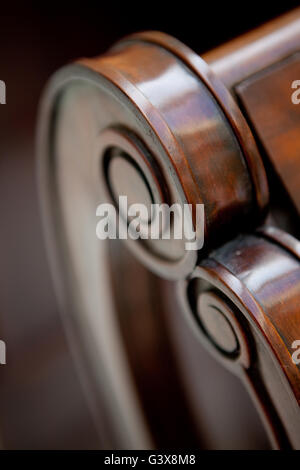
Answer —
35 40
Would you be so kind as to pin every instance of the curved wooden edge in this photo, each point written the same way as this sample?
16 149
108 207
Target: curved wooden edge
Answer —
127 423
271 374
225 101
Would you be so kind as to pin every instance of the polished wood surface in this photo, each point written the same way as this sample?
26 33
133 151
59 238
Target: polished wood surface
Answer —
276 119
228 178
250 273
244 56
195 132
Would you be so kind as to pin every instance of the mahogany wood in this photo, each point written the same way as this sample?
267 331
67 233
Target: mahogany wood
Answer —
191 131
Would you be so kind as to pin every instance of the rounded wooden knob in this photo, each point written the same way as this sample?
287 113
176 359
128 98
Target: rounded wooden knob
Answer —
127 169
126 178
148 120
166 97
214 315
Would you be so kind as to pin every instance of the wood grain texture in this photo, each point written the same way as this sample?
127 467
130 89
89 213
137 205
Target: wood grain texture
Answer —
195 134
266 99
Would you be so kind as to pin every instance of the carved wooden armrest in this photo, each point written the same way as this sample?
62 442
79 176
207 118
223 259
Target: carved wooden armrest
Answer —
153 121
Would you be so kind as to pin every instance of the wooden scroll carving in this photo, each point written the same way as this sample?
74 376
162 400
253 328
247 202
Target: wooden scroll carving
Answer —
152 120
